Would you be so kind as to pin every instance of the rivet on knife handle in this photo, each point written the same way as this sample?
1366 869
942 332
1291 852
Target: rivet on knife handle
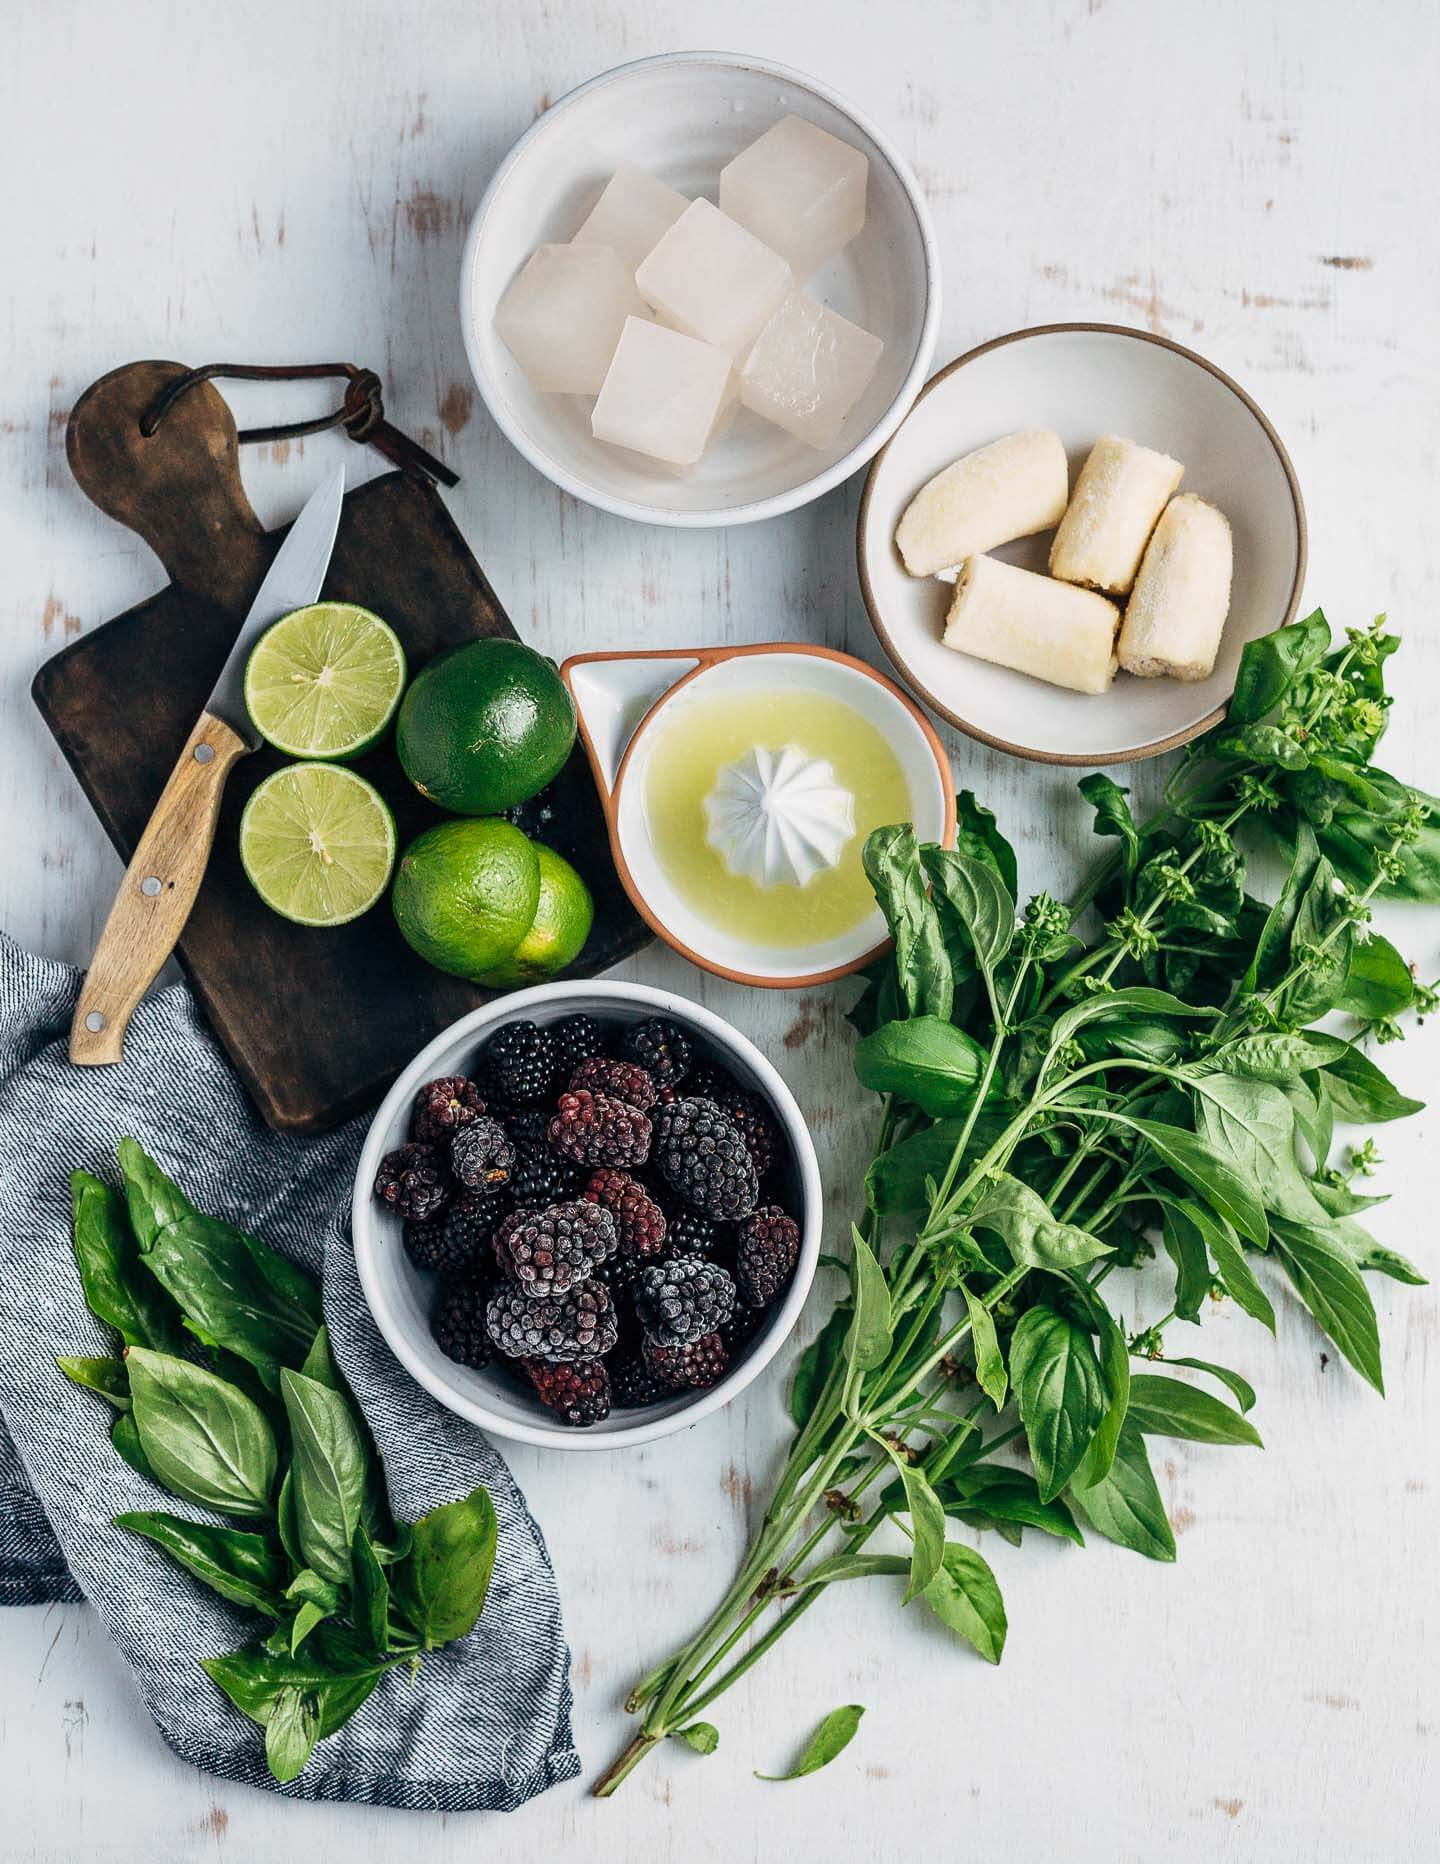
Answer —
156 894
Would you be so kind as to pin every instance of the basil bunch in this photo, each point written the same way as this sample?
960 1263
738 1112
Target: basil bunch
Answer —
227 1395
1055 1110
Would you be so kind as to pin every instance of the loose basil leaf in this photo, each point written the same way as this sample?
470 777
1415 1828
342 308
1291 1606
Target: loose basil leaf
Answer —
331 1667
1378 982
815 1363
1242 1388
702 1736
988 1495
868 1339
1253 1125
978 835
927 1520
291 1732
1034 1238
1168 1408
117 1289
1060 1391
1329 1284
923 1060
1112 815
1359 1091
974 892
243 1568
966 1599
125 1441
370 1608
833 1735
989 1361
236 1293
108 1377
1232 1270
1270 666
153 1200
441 1586
329 1463
203 1439
1277 1058
891 859
1126 1507
1197 1162
1185 1246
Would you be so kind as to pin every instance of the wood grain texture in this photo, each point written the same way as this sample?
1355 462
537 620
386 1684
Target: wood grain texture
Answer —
1247 179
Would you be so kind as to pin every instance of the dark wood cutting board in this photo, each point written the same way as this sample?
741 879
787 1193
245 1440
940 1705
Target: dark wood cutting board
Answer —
317 1022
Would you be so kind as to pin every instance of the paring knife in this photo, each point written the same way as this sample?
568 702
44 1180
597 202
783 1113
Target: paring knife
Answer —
169 862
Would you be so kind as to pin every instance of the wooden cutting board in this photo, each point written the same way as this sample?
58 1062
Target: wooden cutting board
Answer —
317 1022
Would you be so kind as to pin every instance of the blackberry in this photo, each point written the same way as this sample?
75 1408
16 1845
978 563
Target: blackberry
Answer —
639 1221
690 1234
765 1254
577 1394
661 1048
680 1300
704 1159
541 1175
622 1080
580 1324
707 1080
692 1367
456 1236
443 1107
551 1251
632 1383
595 1129
740 1329
528 1123
755 1124
576 1039
482 1155
414 1181
521 1060
458 1321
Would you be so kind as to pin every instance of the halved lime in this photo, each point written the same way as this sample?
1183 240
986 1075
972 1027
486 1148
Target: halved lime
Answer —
317 843
324 681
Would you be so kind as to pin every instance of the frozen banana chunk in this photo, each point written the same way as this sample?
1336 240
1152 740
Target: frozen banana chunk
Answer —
1012 488
1120 493
1017 619
1176 612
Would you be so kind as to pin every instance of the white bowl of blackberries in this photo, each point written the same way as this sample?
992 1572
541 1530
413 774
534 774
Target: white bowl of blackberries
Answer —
587 1215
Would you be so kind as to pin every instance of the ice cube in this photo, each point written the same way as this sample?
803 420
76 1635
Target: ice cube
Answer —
632 214
808 368
662 394
712 279
799 189
563 313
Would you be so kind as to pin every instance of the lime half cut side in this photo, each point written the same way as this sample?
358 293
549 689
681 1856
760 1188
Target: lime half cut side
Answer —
324 681
317 843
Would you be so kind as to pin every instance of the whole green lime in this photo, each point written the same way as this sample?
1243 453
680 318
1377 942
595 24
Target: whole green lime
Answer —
558 932
484 727
465 894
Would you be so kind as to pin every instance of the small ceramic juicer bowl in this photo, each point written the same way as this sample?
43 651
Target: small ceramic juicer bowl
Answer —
627 701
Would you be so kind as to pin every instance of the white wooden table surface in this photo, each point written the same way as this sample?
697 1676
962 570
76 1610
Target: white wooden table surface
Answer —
289 179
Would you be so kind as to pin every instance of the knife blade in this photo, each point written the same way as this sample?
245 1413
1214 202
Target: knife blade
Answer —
170 859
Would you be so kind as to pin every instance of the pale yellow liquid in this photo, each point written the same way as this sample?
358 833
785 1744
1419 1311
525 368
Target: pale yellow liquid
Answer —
698 738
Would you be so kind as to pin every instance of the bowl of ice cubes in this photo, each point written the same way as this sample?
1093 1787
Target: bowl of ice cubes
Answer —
700 290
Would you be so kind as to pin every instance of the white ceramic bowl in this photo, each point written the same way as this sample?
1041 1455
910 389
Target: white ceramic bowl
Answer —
683 116
400 1296
1084 380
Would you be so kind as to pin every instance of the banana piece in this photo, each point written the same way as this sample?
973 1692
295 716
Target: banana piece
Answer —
1176 612
1017 619
1011 488
1120 493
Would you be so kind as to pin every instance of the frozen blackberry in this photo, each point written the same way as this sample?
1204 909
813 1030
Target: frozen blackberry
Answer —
578 1394
691 1367
622 1080
443 1107
661 1048
639 1221
765 1254
541 1175
458 1321
551 1251
681 1299
705 1161
596 1129
580 1324
521 1060
690 1234
456 1236
576 1039
708 1081
414 1181
482 1155
632 1383
740 1329
755 1124
528 1123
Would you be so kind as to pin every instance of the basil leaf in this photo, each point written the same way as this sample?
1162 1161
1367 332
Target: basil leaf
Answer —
1253 1125
125 1441
1112 815
1169 1408
891 859
1277 1058
1110 1004
702 1736
153 1200
1322 973
370 1605
1378 981
1264 744
1242 1388
1270 666
833 1735
329 1459
869 1336
1115 1365
243 1568
319 1363
1125 1507
117 1289
986 1495
203 1439
978 835
1185 1246
331 1668
966 1599
1034 1238
1058 1386
927 1520
291 1732
978 898
989 1361
842 1566
441 1585
1232 1270
310 1614
1359 1091
923 1060
815 1363
108 1377
1234 1197
1373 1257
896 1181
1272 949
286 1519
236 1293
1329 1284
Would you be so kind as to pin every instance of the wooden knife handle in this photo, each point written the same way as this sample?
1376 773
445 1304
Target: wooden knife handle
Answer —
156 894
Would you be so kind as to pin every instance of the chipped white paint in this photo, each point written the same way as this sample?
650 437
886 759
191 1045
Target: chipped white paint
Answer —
276 181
